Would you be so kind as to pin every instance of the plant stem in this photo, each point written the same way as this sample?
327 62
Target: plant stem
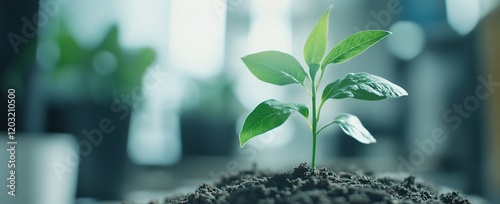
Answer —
314 127
315 117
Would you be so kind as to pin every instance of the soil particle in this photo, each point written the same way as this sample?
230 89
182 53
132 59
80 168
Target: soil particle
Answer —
323 186
453 197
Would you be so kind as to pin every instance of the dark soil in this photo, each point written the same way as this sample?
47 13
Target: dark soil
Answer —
322 186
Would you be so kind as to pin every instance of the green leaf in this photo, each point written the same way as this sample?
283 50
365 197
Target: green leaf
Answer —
315 46
362 86
352 126
354 45
267 116
275 67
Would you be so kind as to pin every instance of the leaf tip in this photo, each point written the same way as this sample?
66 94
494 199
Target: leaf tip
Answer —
244 58
372 140
242 143
403 92
329 8
367 140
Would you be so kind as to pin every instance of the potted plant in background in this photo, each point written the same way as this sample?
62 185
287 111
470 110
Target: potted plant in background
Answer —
77 89
198 116
306 184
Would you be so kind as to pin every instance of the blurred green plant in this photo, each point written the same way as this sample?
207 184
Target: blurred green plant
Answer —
282 69
85 71
212 97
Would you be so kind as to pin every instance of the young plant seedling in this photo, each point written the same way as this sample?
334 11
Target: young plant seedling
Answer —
282 69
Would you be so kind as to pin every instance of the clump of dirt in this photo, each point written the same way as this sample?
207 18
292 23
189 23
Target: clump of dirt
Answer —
323 186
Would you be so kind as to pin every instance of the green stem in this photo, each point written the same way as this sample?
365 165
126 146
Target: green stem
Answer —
314 126
315 117
314 154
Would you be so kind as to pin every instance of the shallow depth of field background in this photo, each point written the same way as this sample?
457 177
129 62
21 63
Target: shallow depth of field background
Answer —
136 100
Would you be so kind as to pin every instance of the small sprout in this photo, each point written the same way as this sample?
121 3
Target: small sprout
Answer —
282 69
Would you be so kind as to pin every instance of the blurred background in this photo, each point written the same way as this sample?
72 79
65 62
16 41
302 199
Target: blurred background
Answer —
136 100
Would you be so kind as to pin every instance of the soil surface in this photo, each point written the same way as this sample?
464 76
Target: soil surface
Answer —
322 186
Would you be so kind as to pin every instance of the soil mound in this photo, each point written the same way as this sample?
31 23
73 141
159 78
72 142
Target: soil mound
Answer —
322 186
